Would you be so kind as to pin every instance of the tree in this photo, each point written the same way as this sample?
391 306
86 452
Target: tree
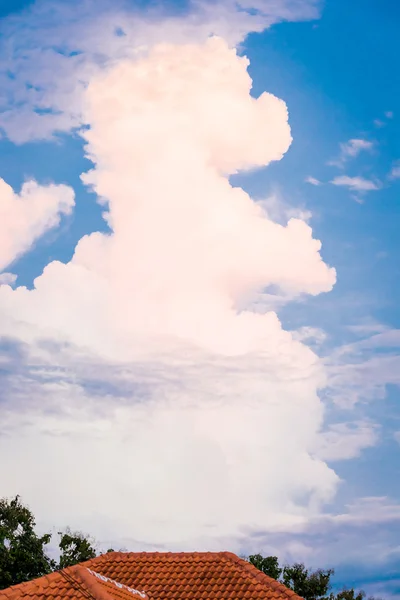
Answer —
22 555
310 585
22 551
75 548
268 565
351 595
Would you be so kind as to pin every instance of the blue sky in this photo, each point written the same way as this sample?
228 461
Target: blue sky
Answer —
335 67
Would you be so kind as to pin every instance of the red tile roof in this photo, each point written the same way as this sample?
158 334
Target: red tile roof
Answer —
191 576
162 576
75 583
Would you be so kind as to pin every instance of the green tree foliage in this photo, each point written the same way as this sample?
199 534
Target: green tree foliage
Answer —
310 585
75 548
350 595
268 565
22 551
22 555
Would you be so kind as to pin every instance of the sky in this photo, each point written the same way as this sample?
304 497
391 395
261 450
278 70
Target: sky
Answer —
199 276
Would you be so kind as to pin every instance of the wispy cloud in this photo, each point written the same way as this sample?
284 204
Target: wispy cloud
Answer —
368 327
357 184
342 441
370 509
382 122
8 278
333 539
276 207
353 147
312 181
350 150
395 170
361 370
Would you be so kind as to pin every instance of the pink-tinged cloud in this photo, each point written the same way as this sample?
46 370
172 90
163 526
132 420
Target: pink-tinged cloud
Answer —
8 278
167 297
26 216
54 82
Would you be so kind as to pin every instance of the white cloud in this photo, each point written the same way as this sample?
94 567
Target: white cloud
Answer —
351 149
144 361
53 49
333 540
388 338
358 184
306 333
382 123
8 278
370 509
312 181
277 209
343 441
395 171
397 436
361 371
24 217
368 326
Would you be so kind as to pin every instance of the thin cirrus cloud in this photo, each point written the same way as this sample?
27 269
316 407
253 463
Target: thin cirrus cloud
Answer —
395 171
313 181
342 441
357 184
388 115
362 370
350 150
144 349
353 147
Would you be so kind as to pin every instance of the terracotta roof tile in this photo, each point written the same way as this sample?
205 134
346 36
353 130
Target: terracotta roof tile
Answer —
163 576
191 576
78 582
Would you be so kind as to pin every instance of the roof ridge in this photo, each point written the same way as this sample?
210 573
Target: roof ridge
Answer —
260 576
68 575
81 578
85 577
117 584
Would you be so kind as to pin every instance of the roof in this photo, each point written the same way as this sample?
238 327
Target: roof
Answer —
162 576
191 576
74 583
